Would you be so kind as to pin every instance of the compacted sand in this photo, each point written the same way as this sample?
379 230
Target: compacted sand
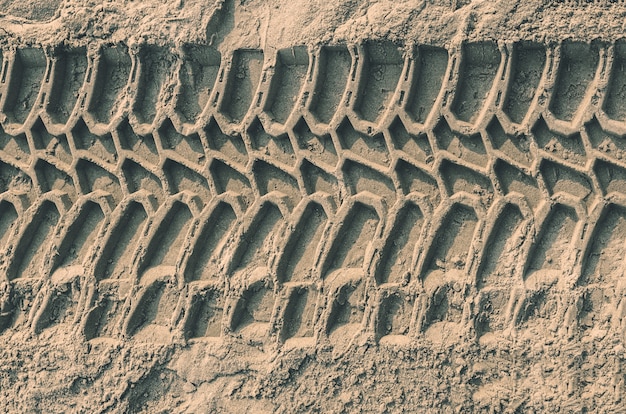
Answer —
312 206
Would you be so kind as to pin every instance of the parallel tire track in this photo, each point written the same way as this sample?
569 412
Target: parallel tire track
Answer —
313 195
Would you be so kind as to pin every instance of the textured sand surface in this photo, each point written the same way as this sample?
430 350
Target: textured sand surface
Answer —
312 206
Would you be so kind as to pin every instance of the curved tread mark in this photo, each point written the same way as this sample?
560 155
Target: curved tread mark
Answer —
334 65
24 83
616 89
243 79
121 245
111 77
397 255
70 68
356 232
197 79
431 65
577 69
257 242
550 251
476 75
291 68
298 256
527 65
165 247
381 72
33 242
205 260
154 63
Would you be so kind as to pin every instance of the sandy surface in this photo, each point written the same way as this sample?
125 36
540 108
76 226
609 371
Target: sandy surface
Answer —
292 206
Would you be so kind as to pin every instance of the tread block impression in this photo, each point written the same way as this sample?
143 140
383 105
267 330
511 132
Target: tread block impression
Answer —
569 148
516 147
394 318
165 246
458 178
181 178
610 145
253 311
197 78
256 244
12 178
315 147
469 148
151 319
360 178
53 145
111 76
550 251
428 75
70 68
299 255
243 80
187 146
416 146
103 320
611 177
120 246
8 219
138 178
480 62
24 82
577 68
606 251
449 252
33 242
51 178
346 311
616 90
80 235
204 260
230 146
289 76
300 314
382 68
333 67
527 65
154 64
502 249
92 177
205 315
370 147
101 146
397 255
142 146
348 248
14 146
278 148
225 178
